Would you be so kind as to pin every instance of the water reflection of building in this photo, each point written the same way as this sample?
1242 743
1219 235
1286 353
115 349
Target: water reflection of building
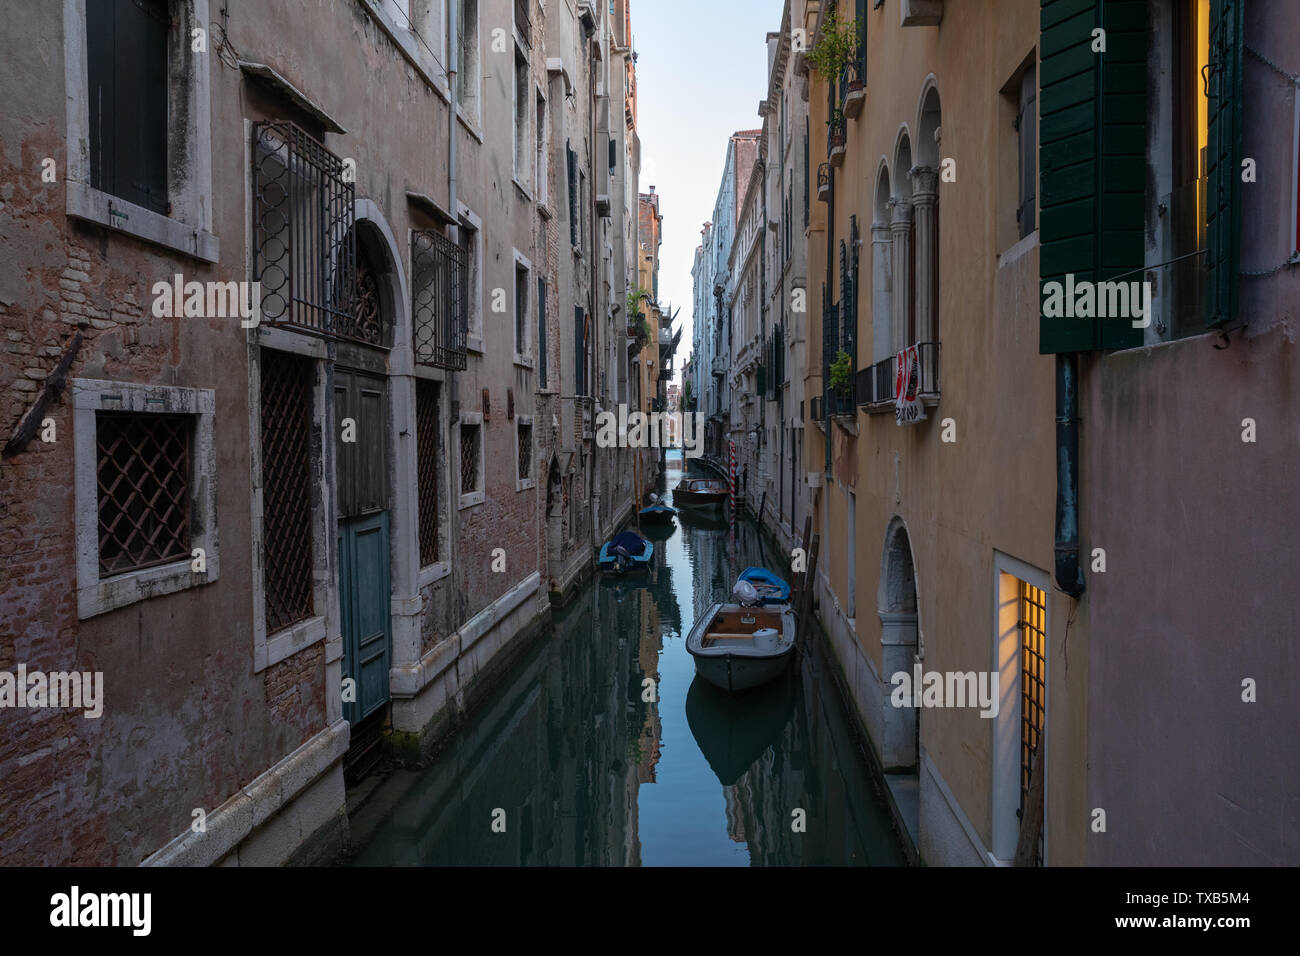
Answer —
558 746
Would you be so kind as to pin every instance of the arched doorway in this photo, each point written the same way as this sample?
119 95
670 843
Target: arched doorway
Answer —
896 600
363 490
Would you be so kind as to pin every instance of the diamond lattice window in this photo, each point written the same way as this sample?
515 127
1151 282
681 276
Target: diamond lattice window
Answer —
470 437
426 440
143 476
525 450
286 495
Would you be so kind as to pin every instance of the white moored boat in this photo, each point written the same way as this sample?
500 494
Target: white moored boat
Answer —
737 647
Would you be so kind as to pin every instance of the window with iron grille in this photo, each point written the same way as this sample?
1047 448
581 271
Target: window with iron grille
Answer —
440 277
471 450
286 489
304 246
524 441
1033 682
428 468
143 476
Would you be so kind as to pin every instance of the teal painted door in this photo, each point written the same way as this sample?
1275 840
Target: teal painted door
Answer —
364 604
360 405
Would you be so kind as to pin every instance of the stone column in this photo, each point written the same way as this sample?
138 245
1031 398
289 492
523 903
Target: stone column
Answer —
900 229
881 274
925 199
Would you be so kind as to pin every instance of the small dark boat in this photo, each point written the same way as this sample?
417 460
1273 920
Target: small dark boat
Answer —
770 588
625 552
700 493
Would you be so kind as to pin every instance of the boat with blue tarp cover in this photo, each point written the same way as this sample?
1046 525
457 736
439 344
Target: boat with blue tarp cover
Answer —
626 551
772 589
658 514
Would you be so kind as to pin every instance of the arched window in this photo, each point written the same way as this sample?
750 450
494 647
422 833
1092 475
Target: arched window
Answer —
925 177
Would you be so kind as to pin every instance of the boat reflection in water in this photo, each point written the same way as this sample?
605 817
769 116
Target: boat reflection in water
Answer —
734 730
602 748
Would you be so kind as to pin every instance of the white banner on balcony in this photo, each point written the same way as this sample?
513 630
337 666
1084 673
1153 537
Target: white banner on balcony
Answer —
907 387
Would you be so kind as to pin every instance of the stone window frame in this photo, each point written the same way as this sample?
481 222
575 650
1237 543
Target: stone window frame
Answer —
472 498
1004 776
97 593
523 139
272 648
420 34
474 304
188 229
470 112
526 484
523 357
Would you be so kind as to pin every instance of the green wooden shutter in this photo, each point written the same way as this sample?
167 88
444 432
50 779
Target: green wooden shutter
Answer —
862 41
572 158
1092 157
541 332
1223 163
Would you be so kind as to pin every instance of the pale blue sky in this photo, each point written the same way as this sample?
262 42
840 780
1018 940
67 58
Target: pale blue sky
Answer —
701 72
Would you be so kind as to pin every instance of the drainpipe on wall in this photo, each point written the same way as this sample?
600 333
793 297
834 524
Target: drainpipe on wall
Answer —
1069 573
830 293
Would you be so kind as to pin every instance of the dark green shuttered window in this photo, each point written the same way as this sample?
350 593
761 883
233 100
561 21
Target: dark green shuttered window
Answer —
1223 163
1092 155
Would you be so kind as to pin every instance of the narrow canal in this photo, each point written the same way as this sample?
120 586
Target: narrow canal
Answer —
589 771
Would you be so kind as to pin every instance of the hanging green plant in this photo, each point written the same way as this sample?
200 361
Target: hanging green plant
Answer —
841 376
836 46
634 297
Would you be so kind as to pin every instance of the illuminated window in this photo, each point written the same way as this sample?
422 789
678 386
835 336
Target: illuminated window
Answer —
1033 685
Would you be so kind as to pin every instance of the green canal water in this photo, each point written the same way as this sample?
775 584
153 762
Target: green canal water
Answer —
588 771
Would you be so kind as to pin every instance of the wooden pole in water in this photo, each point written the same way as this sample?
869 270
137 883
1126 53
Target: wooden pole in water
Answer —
804 543
801 625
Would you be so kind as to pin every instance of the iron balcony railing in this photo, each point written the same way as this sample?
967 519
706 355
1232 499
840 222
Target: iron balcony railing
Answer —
876 383
439 300
838 335
824 182
304 244
837 131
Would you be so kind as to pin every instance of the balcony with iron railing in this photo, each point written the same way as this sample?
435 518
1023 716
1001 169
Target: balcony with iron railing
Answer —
824 182
876 384
853 84
839 336
837 132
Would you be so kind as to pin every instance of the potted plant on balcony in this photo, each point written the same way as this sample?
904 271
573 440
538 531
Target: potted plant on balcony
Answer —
841 380
634 313
836 46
